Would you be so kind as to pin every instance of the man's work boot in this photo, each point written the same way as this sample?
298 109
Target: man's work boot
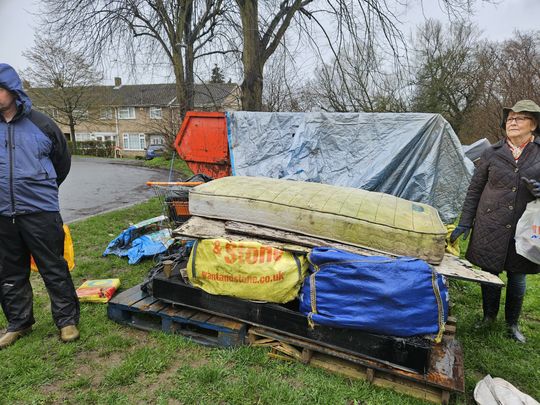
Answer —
11 337
69 333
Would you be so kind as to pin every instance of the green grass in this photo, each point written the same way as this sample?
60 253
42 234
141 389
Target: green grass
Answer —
179 165
114 364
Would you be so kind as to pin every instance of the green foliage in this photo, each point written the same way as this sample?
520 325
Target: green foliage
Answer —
93 148
115 364
179 166
217 76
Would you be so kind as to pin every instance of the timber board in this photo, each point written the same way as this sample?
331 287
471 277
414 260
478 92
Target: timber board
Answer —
205 228
445 376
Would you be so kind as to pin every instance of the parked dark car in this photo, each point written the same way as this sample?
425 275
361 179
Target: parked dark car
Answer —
154 151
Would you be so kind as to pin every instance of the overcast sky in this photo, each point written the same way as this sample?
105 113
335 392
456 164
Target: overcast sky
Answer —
498 22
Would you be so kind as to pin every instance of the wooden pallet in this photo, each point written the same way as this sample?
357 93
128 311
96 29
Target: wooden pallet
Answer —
410 353
135 308
445 374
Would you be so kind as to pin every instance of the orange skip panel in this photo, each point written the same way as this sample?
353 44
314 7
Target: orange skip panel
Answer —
202 142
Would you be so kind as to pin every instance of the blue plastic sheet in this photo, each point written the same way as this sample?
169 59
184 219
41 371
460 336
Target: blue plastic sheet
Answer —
141 240
391 296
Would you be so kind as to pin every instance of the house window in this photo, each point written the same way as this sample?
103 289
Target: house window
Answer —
83 136
105 136
157 140
106 114
51 112
134 141
80 113
126 113
155 113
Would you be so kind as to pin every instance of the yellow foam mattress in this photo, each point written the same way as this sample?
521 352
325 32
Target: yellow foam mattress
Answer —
348 215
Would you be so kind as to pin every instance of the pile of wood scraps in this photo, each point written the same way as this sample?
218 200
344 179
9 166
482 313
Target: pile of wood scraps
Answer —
205 228
445 369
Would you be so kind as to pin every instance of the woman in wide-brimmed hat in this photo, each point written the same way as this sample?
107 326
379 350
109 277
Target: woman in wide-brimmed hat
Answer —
506 179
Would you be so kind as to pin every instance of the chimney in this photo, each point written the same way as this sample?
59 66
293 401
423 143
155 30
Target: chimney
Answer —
117 82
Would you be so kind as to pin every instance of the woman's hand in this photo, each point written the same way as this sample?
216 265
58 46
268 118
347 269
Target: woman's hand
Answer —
533 186
460 230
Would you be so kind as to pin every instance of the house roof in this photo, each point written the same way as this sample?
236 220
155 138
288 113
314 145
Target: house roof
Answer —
138 95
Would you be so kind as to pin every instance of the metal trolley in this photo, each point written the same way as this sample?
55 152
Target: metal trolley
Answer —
174 199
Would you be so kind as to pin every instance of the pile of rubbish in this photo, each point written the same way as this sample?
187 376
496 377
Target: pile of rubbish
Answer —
340 253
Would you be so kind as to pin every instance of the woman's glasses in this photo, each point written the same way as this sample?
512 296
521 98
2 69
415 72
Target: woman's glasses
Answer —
519 119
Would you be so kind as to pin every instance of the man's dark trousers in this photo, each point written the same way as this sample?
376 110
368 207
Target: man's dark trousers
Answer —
41 235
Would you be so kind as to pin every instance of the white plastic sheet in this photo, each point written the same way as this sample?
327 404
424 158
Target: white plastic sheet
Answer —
414 156
497 391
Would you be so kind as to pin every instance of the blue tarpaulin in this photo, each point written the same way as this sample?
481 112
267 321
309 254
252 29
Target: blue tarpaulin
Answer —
141 240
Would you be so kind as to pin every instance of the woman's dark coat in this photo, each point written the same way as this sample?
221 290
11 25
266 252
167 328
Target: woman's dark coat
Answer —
496 199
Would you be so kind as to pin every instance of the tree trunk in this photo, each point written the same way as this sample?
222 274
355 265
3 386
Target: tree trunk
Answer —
72 134
190 78
252 85
178 66
189 57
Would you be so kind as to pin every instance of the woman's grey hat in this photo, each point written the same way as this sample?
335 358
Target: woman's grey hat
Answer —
523 106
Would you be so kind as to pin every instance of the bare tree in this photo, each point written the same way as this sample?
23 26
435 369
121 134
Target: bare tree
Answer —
167 127
470 82
63 78
184 30
513 74
264 30
358 80
284 87
451 71
261 37
179 30
518 68
264 25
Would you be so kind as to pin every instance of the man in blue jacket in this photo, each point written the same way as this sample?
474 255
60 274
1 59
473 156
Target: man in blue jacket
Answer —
34 160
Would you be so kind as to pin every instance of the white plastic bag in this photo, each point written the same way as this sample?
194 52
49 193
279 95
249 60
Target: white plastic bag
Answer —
528 232
490 391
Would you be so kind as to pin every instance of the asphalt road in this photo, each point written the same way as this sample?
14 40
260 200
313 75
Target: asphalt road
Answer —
95 186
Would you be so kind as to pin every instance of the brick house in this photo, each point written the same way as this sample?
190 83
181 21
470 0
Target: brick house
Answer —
135 116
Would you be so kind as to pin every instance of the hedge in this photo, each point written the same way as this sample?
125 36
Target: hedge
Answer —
93 148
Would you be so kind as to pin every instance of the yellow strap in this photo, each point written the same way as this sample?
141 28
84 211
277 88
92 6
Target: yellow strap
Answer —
440 310
312 293
310 322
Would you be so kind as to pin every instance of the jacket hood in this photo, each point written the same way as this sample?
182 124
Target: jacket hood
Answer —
10 80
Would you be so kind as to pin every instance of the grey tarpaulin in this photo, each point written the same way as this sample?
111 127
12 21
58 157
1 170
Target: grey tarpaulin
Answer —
475 150
410 155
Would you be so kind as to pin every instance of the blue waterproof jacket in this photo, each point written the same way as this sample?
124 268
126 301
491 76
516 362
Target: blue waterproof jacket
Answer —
34 158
